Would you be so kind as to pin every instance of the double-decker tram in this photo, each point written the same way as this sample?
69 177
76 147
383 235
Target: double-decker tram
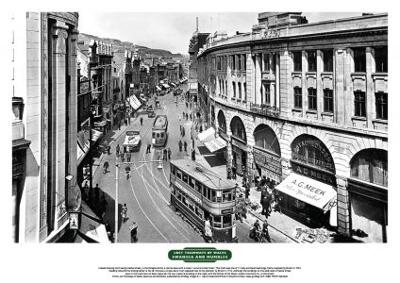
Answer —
200 194
160 130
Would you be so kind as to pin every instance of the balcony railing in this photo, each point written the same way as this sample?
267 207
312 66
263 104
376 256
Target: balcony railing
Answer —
264 109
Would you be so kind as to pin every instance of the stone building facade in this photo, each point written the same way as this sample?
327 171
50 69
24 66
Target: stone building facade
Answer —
49 117
295 98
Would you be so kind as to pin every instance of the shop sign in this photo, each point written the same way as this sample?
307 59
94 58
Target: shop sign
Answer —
315 174
190 194
269 33
268 161
227 211
323 158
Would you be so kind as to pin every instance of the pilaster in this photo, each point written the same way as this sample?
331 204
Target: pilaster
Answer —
60 35
343 213
320 91
370 95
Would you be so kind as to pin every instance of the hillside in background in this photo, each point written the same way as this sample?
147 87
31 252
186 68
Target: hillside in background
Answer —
120 47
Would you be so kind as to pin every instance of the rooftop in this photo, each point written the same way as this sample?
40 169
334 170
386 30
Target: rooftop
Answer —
282 32
203 175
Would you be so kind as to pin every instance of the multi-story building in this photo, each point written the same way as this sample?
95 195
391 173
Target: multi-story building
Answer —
44 130
305 104
196 42
100 75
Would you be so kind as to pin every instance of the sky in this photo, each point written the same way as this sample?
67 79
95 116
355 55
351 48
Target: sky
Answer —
172 31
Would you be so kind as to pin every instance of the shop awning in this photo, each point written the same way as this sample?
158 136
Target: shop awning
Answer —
215 144
96 135
100 124
158 88
206 135
309 190
134 102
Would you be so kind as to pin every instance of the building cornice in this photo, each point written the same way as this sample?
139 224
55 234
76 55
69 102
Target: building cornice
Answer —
341 129
288 39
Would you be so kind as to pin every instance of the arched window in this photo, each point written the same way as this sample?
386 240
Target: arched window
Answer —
370 165
238 129
265 137
310 150
221 121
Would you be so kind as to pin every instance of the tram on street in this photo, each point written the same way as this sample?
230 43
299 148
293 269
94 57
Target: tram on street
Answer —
199 194
160 131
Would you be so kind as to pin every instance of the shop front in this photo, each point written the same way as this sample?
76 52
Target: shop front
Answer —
309 192
368 196
267 153
239 146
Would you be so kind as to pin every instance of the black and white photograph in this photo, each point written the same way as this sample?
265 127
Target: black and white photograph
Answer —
261 130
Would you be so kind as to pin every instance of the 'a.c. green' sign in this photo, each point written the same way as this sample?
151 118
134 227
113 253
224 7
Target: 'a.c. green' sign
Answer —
199 254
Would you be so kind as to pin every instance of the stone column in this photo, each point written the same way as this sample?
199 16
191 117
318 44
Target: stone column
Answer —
250 161
60 35
286 168
370 93
343 204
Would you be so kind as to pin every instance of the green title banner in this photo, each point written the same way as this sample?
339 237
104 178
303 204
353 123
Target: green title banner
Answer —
199 254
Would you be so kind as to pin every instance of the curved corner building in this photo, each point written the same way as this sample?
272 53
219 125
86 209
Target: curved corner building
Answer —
305 104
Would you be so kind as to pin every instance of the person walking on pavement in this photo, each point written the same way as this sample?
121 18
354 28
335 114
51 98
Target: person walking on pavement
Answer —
165 153
183 131
124 213
148 148
180 145
117 150
169 153
265 232
128 157
233 172
141 121
105 167
86 192
208 235
119 125
266 205
185 146
193 155
128 171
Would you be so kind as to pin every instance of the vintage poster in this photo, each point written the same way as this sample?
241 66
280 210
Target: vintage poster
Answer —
212 140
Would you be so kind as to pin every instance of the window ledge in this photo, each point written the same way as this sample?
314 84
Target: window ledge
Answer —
359 118
327 113
297 109
311 111
380 121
